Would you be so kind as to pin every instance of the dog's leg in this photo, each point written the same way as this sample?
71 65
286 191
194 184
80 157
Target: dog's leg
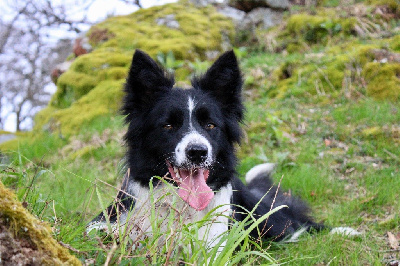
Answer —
122 204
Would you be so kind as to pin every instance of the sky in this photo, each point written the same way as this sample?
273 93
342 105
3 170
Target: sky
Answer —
101 8
97 12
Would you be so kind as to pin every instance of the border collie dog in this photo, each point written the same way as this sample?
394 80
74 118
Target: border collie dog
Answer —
188 137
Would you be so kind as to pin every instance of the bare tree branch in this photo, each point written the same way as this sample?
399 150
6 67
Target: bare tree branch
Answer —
27 57
9 27
133 2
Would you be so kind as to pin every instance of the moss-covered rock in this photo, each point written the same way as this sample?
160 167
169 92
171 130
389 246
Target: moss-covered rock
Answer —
200 30
303 29
24 239
318 74
89 70
72 86
102 100
395 43
392 4
383 80
338 70
93 85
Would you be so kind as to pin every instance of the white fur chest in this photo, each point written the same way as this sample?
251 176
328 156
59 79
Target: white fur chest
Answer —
163 213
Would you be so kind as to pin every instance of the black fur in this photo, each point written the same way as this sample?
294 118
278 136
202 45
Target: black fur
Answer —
156 114
280 224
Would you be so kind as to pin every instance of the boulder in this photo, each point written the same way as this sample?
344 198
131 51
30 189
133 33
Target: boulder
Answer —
262 18
236 15
249 5
249 15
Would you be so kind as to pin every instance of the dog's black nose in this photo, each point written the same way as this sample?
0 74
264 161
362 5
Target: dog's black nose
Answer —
197 153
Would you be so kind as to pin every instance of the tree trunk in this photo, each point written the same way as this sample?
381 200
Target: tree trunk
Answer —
18 122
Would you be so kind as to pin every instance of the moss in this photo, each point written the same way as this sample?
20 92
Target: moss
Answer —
25 225
372 131
383 80
11 145
182 73
85 152
44 120
392 4
114 41
3 132
296 46
99 60
312 29
394 43
80 83
96 35
102 100
200 30
86 72
113 73
72 85
324 73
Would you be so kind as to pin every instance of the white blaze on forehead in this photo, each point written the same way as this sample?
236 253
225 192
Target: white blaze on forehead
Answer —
191 108
191 104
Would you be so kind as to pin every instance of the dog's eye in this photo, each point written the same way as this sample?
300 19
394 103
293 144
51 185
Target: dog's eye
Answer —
210 126
168 126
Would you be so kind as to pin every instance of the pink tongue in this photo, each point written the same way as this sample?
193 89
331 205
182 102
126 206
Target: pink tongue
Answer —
194 189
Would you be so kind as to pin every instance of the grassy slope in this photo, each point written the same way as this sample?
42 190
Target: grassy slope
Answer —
337 148
313 111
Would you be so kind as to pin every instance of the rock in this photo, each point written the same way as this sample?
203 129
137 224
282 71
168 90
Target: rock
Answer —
254 17
81 46
298 2
385 56
59 69
278 4
6 137
203 3
169 21
249 5
236 15
263 18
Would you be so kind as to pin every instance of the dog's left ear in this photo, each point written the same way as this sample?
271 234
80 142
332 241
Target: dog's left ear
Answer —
223 81
146 82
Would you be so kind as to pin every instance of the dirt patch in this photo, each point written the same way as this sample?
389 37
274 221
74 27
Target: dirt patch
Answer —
25 240
17 250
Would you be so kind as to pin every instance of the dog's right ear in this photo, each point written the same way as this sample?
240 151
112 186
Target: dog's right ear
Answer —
145 83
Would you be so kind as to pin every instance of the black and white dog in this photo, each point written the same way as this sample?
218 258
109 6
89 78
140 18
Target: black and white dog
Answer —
188 136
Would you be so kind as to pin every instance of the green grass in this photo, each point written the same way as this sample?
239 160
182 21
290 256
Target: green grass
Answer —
339 151
342 156
351 181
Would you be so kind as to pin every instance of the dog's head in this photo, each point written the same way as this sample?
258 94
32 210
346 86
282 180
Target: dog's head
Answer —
189 133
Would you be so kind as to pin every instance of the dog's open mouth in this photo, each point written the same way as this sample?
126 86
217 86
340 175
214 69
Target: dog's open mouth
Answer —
193 188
